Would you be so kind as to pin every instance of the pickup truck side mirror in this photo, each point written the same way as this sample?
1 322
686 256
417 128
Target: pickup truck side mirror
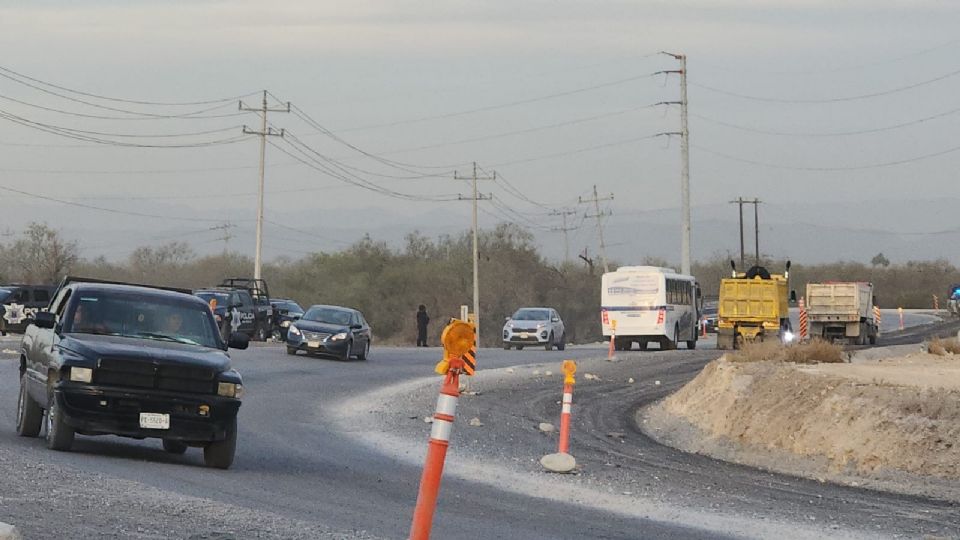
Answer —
238 340
45 319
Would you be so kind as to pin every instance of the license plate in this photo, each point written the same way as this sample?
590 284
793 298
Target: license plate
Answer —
524 335
154 420
313 344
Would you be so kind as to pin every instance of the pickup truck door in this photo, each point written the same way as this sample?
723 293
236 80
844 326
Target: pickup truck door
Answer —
40 346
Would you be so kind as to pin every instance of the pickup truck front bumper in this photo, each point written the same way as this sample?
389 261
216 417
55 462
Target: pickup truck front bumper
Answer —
96 410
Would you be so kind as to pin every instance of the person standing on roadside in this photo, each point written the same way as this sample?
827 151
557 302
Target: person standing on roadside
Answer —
422 321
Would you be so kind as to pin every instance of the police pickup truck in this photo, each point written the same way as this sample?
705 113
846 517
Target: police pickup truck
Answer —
19 303
136 361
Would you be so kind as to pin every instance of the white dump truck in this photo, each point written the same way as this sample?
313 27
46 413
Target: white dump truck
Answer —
842 311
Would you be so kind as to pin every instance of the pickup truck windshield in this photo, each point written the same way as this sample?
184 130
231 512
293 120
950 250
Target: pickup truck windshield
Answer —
5 294
160 319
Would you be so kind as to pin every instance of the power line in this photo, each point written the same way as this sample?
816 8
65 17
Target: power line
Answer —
823 169
852 67
100 208
827 134
768 99
578 150
520 131
499 106
65 132
122 100
196 115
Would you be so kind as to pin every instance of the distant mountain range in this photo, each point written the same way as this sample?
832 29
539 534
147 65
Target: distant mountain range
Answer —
805 232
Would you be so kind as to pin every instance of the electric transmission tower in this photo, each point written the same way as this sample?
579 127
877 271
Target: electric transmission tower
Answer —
598 215
564 229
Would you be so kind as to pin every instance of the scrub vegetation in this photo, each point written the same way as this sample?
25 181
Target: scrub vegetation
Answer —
388 283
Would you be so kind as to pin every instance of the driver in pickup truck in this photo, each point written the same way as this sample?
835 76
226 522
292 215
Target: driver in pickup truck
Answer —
87 320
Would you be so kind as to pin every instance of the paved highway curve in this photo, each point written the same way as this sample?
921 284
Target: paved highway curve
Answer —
299 476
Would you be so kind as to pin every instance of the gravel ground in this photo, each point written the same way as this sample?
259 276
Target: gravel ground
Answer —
620 469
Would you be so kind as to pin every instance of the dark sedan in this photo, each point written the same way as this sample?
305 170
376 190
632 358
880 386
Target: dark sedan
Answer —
330 331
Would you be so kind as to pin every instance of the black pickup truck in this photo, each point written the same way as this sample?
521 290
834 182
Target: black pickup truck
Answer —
131 360
19 304
259 294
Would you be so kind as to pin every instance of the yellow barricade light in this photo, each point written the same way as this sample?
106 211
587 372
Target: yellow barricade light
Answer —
458 340
569 368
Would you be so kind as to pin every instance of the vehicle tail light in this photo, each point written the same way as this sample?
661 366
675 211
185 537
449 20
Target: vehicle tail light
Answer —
661 315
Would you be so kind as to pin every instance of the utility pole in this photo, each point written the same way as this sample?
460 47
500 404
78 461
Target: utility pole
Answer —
598 215
685 162
263 133
477 197
756 226
740 202
566 240
227 235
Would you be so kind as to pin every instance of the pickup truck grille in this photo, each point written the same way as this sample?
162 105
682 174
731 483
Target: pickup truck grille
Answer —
138 374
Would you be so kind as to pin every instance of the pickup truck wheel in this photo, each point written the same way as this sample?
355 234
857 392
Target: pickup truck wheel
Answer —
506 346
59 434
219 454
174 447
292 351
29 414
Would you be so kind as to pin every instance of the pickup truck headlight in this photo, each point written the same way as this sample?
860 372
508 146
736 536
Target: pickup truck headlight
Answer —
285 324
338 337
229 389
81 374
294 330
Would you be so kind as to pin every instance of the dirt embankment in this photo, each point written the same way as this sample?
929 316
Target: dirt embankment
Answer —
890 423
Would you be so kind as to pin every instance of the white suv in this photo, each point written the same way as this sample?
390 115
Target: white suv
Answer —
534 326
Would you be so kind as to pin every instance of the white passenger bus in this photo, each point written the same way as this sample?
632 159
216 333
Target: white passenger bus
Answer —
650 304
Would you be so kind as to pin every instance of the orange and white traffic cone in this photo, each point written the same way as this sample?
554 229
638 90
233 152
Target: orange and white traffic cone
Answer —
613 339
566 409
436 455
562 461
458 340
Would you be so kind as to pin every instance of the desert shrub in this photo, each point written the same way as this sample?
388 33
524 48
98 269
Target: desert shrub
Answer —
815 351
942 347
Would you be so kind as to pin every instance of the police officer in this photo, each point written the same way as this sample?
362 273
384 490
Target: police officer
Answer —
422 321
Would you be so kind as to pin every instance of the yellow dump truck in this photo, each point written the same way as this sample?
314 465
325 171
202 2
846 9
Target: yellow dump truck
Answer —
753 306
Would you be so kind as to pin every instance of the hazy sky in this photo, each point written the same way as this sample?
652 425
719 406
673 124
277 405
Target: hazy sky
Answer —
554 95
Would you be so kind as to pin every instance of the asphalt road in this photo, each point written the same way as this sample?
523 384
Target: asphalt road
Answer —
294 466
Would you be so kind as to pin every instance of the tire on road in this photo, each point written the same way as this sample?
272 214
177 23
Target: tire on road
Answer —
506 346
366 352
174 447
29 413
349 352
219 454
549 344
292 351
562 346
59 434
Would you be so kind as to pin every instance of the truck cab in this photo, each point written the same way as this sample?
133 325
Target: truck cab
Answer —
130 360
